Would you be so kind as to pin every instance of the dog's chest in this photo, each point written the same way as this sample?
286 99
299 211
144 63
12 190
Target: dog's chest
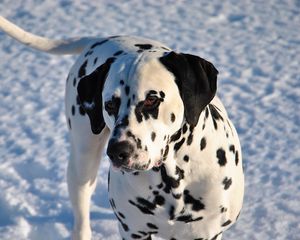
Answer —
176 201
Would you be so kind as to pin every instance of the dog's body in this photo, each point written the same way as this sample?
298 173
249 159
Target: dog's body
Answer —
176 159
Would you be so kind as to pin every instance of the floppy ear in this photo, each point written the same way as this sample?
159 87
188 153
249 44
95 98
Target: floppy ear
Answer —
196 79
90 95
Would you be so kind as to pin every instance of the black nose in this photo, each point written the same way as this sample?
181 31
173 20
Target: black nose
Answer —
119 152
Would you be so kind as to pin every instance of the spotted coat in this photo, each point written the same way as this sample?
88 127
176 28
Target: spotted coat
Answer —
176 164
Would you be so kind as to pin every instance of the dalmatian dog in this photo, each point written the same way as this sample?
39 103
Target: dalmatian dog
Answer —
176 164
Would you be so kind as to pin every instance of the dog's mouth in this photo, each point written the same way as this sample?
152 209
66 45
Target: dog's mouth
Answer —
134 166
137 167
127 169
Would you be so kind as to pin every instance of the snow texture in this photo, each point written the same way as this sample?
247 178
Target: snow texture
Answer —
254 44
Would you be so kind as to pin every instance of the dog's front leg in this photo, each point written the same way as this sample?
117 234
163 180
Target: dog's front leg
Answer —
82 175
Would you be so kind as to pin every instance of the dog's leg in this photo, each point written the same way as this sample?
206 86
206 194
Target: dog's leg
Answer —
86 153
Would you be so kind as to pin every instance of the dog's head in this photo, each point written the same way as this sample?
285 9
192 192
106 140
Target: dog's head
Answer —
144 102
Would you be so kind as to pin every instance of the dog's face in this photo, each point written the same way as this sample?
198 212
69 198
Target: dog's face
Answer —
144 102
142 111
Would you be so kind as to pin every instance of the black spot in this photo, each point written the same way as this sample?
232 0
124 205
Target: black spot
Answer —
144 234
184 128
166 151
73 110
135 236
162 94
190 137
122 82
227 182
153 136
175 136
98 43
173 117
236 158
232 148
206 113
112 203
216 236
188 218
139 143
172 212
88 53
202 143
177 196
184 218
178 145
69 123
160 186
121 215
221 155
226 223
180 173
159 200
223 209
81 71
142 208
128 103
152 226
171 182
95 60
127 90
118 53
197 205
215 115
124 226
74 82
143 46
186 158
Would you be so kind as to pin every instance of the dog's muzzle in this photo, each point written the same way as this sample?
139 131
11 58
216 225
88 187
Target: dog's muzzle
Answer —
119 152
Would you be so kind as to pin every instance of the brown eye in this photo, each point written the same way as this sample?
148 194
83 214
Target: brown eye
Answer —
151 101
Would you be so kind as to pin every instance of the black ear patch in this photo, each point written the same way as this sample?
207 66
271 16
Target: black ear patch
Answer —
90 95
196 79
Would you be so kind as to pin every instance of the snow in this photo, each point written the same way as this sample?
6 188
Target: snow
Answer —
254 44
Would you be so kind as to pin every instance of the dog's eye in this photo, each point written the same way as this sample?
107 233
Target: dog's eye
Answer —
109 106
112 106
151 102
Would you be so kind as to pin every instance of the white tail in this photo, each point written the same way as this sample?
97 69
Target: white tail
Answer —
68 46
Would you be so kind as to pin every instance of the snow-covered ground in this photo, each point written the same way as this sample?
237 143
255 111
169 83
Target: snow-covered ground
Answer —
254 44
